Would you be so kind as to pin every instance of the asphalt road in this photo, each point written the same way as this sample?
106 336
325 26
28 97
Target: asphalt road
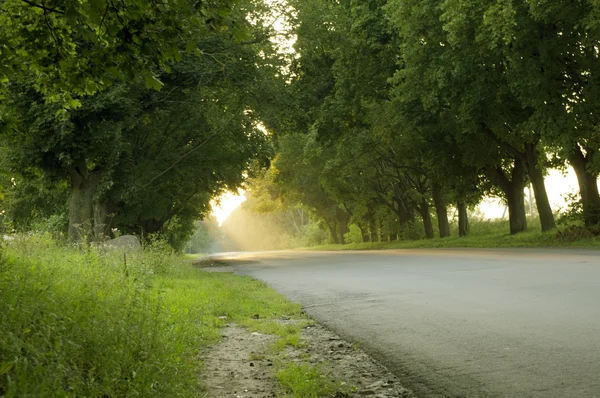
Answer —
457 323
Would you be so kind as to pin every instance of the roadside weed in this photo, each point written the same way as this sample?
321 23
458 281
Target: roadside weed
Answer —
307 381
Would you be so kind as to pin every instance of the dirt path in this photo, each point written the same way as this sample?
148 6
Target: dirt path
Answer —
244 365
231 368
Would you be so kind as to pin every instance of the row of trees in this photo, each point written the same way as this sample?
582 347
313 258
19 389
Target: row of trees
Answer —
134 114
130 115
398 108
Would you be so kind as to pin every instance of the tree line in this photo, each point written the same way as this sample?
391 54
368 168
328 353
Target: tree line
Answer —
397 109
133 115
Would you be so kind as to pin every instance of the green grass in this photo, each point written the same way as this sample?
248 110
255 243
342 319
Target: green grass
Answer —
307 381
487 234
82 323
289 334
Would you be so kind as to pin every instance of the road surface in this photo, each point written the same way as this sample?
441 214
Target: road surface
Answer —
456 323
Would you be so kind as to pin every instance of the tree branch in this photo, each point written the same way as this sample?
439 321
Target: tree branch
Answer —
185 155
43 7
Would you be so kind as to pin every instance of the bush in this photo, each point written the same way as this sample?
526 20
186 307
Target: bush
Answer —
574 233
313 235
354 235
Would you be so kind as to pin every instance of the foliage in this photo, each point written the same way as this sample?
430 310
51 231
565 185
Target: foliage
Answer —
396 108
75 47
389 111
141 160
354 235
313 234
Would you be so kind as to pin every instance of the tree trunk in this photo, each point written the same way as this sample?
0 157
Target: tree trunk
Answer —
342 220
441 210
406 218
406 214
373 235
101 221
83 185
463 218
588 186
536 176
333 232
516 208
426 216
364 232
513 189
291 213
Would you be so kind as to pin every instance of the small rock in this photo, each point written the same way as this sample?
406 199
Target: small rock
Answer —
256 334
222 317
127 243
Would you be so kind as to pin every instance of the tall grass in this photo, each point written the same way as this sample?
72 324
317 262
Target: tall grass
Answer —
79 322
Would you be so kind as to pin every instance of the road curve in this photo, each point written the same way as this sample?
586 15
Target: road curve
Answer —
456 323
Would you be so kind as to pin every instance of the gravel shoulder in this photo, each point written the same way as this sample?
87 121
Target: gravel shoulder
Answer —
244 364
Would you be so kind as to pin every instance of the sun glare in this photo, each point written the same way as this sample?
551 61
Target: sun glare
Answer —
558 185
226 204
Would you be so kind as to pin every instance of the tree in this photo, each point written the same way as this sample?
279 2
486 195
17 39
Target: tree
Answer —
551 58
75 48
152 159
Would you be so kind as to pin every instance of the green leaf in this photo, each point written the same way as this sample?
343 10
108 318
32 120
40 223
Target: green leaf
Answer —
153 83
5 367
190 46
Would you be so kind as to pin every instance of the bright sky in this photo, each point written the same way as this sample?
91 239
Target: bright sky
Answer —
557 185
226 204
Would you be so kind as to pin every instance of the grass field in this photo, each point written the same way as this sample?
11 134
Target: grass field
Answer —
77 322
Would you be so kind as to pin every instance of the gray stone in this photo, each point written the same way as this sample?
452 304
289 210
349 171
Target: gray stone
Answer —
128 243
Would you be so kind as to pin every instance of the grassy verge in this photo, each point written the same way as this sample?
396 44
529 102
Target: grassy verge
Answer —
488 234
307 381
84 323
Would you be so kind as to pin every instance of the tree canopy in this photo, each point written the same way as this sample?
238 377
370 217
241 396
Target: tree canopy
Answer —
388 116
